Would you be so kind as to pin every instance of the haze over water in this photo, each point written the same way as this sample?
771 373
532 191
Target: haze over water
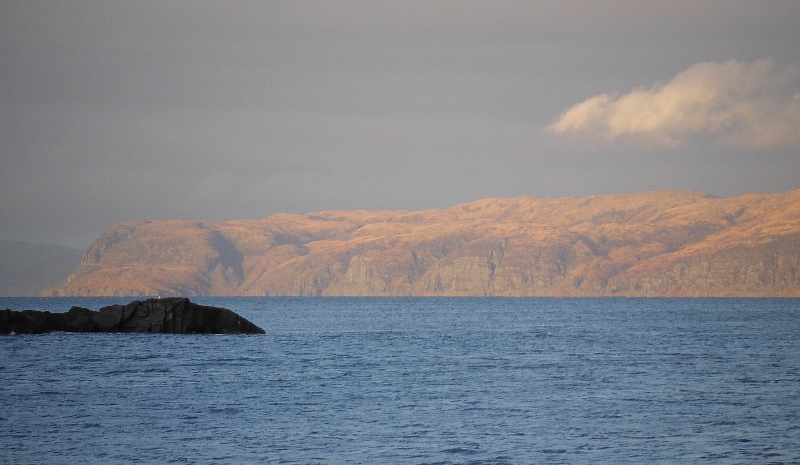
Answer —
415 380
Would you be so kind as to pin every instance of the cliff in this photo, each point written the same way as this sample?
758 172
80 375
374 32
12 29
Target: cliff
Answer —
649 244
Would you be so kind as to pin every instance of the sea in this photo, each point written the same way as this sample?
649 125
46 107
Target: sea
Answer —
415 381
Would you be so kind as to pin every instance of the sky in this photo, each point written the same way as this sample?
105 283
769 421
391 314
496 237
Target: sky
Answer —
121 111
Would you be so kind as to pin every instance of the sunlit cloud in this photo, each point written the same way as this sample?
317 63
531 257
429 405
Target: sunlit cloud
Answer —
738 104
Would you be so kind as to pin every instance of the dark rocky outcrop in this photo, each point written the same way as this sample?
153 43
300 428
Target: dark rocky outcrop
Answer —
171 315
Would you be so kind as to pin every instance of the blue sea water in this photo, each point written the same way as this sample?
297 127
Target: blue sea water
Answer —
416 381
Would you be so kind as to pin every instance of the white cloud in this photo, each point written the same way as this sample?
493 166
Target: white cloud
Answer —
738 104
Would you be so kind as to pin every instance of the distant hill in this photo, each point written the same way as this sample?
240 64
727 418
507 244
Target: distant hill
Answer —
26 269
649 244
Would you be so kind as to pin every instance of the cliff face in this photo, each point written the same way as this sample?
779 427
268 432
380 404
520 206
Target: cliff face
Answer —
649 244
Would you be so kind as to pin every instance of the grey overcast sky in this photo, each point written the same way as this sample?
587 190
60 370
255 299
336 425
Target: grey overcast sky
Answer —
119 111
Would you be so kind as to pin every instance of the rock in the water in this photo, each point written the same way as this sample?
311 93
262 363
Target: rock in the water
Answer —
171 315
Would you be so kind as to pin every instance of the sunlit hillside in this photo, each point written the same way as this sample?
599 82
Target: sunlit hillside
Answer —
649 244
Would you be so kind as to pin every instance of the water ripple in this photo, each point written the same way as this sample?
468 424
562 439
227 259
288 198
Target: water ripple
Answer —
420 381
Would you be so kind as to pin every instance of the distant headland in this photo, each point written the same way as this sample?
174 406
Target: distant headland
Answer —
669 243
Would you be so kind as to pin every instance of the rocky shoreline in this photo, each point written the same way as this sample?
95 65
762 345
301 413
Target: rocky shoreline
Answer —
175 315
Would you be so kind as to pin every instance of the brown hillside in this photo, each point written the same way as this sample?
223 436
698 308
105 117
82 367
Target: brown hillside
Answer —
648 244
